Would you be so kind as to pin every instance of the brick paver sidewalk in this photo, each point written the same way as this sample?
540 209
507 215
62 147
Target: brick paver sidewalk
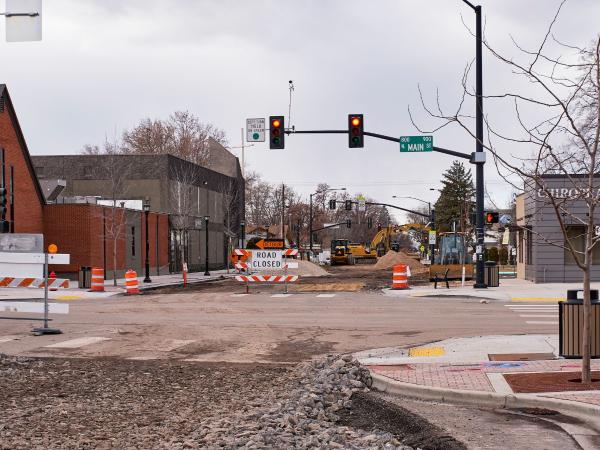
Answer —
474 377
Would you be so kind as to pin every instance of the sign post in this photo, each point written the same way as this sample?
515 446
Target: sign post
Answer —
255 130
414 144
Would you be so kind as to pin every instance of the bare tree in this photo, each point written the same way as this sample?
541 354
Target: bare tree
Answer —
231 208
182 135
184 209
557 115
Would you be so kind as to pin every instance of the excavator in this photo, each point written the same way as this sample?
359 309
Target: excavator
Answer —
344 252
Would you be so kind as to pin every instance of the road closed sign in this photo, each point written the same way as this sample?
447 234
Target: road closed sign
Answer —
266 259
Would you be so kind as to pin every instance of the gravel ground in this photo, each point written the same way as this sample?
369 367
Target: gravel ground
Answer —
110 403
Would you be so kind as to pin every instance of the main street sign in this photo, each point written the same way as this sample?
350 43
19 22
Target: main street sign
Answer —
412 144
255 130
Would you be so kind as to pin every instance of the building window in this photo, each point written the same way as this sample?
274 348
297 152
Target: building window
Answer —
528 246
521 246
576 234
87 171
132 241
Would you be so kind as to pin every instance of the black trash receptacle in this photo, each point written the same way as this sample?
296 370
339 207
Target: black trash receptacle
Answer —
570 325
491 274
85 277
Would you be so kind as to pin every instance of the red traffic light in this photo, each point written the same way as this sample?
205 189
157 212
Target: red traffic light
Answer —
355 121
355 131
276 132
276 123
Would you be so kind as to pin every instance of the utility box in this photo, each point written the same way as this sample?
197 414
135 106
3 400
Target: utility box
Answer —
570 325
491 274
85 277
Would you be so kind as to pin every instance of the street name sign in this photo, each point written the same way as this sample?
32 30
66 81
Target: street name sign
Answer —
414 144
255 130
266 259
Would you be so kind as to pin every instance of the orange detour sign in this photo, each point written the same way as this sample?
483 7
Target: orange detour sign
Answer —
264 244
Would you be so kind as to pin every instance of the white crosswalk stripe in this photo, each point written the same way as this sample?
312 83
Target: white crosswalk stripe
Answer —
79 342
281 295
536 311
325 295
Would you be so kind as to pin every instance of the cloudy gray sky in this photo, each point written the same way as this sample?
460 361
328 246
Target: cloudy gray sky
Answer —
104 65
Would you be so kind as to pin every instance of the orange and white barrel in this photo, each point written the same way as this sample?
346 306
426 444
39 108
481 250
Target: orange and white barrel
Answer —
132 285
400 275
97 284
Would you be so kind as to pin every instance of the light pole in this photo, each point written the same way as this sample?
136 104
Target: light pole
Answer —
431 220
479 155
310 214
206 219
146 207
243 226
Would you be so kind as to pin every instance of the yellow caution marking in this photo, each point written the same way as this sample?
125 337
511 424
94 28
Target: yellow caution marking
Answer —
426 351
68 297
538 299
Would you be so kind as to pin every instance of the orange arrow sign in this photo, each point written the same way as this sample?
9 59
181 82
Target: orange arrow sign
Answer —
270 243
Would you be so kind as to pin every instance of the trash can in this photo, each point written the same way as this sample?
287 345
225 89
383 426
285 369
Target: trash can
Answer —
492 274
85 277
570 325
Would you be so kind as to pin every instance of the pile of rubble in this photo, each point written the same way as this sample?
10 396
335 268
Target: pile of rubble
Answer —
306 416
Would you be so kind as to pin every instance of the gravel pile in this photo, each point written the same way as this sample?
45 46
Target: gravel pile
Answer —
391 258
306 417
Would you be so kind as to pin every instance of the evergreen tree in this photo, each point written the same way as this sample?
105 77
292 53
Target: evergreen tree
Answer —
456 201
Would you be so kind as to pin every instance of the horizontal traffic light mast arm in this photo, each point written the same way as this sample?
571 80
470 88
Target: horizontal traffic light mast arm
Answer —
398 207
379 136
329 226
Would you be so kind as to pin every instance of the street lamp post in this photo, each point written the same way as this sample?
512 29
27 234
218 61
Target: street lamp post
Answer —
146 207
310 214
479 265
243 226
206 219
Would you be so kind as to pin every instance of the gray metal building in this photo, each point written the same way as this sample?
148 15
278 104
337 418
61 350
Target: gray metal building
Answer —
541 256
186 191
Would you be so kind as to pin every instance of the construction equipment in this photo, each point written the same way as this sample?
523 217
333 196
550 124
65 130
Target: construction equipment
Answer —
344 252
452 256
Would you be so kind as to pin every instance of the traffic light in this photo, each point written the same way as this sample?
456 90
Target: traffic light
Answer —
332 204
348 205
356 137
369 222
348 223
491 217
378 226
276 132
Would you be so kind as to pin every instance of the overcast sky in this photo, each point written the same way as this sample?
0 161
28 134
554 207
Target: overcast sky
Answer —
104 65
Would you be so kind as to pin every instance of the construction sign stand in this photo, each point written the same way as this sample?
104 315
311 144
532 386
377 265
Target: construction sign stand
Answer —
45 329
275 259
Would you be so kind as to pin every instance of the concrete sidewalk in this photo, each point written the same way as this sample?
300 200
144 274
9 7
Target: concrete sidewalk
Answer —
74 293
510 289
459 370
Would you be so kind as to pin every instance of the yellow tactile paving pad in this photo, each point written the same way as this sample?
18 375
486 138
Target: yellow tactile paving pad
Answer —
426 351
68 297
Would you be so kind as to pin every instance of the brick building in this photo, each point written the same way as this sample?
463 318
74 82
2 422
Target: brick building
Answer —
77 229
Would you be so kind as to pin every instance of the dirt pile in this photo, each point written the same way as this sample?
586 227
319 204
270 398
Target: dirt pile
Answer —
391 258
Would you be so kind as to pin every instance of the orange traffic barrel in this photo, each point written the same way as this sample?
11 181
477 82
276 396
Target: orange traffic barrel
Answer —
97 284
132 285
52 277
400 276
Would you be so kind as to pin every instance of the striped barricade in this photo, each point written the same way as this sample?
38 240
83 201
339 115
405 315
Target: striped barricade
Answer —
33 282
285 279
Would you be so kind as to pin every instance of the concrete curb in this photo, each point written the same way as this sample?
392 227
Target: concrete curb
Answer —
587 412
180 284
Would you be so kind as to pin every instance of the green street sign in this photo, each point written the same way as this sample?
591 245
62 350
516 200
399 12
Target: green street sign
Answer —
412 144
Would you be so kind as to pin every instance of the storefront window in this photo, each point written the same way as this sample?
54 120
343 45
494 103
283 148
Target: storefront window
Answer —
576 234
528 246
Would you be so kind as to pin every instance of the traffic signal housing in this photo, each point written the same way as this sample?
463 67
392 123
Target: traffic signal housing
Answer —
348 205
491 217
276 132
369 222
332 204
356 138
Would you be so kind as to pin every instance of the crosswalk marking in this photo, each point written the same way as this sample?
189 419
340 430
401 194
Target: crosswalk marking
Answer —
238 295
281 295
79 342
4 339
541 322
546 316
325 295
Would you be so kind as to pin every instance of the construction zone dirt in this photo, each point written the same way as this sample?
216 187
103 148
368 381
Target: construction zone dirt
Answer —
391 258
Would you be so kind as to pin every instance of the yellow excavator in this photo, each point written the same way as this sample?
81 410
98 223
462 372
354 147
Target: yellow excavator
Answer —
344 252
